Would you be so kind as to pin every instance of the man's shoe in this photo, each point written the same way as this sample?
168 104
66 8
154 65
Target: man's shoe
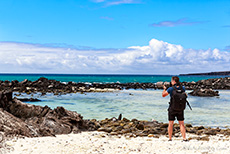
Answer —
170 140
185 140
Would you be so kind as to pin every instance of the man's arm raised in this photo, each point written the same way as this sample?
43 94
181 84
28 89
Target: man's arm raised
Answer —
164 93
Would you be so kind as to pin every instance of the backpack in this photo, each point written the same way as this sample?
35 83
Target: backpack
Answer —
179 99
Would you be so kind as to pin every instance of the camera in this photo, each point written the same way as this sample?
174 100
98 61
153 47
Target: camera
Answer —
167 84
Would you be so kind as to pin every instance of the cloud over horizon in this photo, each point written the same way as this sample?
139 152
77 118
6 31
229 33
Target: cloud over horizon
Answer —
158 57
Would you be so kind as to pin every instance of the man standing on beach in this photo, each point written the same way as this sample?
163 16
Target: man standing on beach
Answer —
172 115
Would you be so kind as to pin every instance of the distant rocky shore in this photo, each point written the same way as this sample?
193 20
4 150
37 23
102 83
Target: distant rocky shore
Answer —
44 85
208 73
21 119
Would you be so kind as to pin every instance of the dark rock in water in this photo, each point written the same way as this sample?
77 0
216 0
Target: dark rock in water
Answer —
119 117
204 93
28 99
68 103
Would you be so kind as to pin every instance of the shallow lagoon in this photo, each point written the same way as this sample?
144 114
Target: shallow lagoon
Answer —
141 104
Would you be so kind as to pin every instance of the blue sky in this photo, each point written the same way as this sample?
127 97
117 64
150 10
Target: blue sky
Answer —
107 30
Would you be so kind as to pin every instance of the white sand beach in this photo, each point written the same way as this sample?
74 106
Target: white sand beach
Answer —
100 142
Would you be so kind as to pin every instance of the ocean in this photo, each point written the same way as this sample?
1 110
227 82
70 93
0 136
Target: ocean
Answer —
139 104
102 78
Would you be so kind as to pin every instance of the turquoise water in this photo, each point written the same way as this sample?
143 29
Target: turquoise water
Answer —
143 105
101 78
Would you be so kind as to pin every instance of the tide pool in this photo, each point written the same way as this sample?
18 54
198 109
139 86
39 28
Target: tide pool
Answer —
142 105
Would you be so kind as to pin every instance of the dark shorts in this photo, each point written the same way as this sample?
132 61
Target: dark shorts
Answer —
172 115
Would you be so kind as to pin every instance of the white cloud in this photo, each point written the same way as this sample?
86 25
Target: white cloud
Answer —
158 57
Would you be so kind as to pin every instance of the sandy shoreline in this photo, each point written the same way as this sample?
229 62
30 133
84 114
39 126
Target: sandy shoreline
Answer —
101 142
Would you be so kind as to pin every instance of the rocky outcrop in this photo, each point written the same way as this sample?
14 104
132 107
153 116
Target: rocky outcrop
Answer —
23 119
218 83
204 93
44 85
28 99
11 125
209 73
134 128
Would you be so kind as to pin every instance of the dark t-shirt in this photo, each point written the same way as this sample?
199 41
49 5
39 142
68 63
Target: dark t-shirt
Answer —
170 89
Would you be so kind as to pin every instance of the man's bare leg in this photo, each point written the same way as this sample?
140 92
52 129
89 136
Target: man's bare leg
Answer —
182 129
170 129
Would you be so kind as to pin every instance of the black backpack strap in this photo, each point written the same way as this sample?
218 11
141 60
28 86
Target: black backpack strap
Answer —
189 105
174 88
181 88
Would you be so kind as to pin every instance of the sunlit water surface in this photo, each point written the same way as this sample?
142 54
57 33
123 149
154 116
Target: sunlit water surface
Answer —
141 104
